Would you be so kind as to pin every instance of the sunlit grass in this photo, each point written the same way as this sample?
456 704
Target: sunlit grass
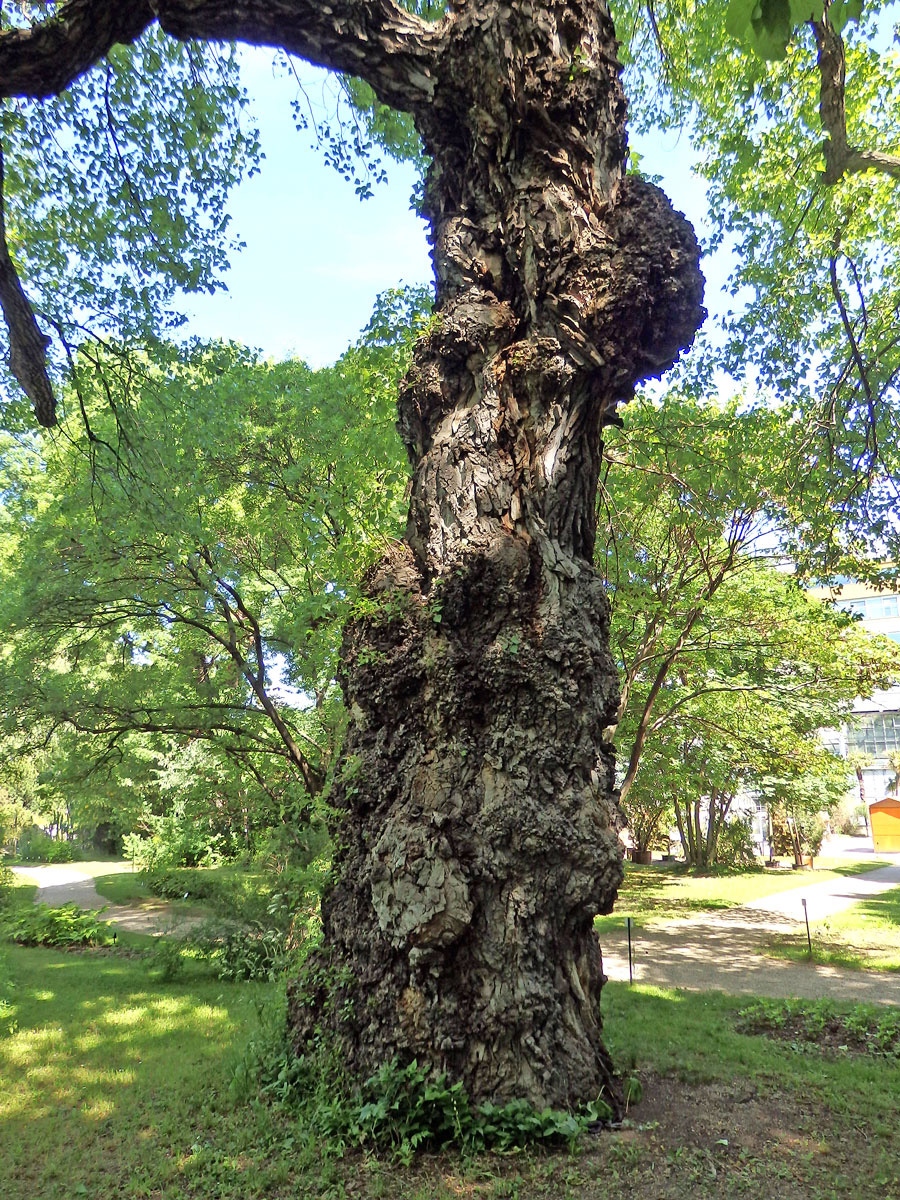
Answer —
663 892
116 1088
865 937
102 1069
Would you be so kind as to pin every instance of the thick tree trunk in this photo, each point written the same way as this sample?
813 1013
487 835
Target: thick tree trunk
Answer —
478 819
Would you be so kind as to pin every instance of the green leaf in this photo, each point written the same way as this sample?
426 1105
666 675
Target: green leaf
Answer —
842 12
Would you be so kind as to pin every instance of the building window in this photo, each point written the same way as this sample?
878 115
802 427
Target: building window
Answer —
873 608
876 734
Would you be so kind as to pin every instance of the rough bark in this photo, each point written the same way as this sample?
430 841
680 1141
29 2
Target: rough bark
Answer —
27 345
840 157
479 819
477 831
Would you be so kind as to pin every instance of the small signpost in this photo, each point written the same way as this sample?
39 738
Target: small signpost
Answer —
806 915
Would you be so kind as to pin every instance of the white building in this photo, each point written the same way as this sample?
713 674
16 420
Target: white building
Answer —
875 730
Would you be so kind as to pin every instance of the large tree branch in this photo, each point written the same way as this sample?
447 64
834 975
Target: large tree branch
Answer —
44 60
392 49
27 345
840 157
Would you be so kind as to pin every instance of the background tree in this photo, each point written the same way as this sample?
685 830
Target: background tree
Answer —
800 156
192 589
728 670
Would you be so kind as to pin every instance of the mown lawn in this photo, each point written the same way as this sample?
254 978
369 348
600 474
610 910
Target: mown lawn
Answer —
865 937
664 892
117 1088
118 884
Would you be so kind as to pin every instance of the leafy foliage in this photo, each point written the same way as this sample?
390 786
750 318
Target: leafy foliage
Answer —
809 314
728 668
403 1109
38 847
767 25
183 675
68 925
820 1023
117 191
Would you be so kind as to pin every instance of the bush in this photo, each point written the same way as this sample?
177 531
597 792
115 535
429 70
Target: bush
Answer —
166 960
38 847
180 883
263 947
401 1108
41 925
735 847
180 838
244 954
847 818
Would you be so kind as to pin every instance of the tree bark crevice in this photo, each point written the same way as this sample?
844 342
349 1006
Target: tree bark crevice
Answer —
479 831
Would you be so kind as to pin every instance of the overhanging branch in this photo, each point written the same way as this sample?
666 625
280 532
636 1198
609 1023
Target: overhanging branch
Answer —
840 157
44 60
27 345
392 49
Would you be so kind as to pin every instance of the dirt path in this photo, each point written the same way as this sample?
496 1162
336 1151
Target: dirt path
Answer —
717 952
721 951
64 883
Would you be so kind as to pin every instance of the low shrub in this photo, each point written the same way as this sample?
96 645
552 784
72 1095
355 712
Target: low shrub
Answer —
35 846
180 883
69 925
166 960
239 954
736 847
182 837
399 1108
805 1023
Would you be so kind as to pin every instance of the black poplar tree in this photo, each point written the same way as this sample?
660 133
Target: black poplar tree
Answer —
477 830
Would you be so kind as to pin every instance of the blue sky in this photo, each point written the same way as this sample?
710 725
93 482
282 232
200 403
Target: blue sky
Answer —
316 256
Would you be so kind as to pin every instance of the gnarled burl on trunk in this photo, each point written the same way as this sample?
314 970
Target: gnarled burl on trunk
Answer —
479 821
477 832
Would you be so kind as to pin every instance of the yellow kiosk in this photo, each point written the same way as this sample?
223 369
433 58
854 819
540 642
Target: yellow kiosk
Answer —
884 816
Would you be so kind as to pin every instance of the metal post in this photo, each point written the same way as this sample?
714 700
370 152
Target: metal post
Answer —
630 968
806 915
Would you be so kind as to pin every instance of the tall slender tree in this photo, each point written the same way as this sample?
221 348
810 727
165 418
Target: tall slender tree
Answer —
477 834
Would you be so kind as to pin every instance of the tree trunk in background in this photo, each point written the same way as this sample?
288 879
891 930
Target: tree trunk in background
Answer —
477 835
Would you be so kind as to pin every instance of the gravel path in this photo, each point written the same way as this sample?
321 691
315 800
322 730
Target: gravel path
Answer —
64 883
716 952
721 951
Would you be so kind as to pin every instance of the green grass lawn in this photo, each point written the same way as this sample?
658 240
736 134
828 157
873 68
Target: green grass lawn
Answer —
116 1088
662 892
866 937
119 885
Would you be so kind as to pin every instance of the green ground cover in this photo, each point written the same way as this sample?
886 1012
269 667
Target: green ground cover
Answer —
119 884
865 937
667 892
118 1087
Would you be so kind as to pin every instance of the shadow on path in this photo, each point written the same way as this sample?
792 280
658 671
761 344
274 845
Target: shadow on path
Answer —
63 883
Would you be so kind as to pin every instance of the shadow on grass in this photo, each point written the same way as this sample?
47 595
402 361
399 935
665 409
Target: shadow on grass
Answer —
102 1062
